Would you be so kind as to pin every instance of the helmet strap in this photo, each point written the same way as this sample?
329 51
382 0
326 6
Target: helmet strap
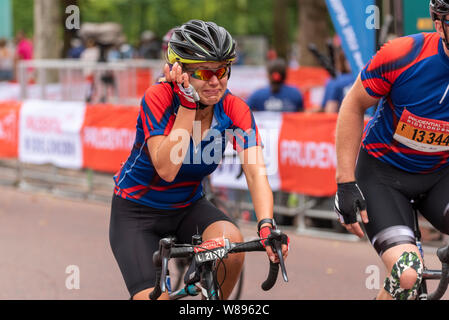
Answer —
202 106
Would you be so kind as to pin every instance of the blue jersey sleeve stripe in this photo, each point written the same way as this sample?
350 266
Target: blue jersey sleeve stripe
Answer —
150 117
372 93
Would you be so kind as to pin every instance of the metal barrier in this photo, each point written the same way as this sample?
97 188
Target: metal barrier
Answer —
121 82
71 80
87 184
93 185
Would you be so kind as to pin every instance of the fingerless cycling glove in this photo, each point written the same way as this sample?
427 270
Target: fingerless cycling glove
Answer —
348 200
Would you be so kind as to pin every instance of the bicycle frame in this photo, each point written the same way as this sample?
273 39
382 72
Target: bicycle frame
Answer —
206 286
442 275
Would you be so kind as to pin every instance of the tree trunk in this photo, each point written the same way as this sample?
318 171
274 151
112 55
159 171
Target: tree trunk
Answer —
280 41
47 42
313 28
47 29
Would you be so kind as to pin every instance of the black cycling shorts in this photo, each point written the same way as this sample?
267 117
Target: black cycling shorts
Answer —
135 231
388 192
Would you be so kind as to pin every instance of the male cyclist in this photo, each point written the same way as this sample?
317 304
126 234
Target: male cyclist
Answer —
404 150
182 130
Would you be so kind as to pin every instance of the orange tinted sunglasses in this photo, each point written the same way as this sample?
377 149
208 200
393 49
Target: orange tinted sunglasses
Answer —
207 74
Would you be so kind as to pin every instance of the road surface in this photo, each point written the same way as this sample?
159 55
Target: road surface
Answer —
58 248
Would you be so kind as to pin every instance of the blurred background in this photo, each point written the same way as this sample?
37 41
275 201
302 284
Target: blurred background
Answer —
73 73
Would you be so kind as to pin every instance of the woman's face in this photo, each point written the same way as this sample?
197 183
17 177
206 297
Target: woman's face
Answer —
212 90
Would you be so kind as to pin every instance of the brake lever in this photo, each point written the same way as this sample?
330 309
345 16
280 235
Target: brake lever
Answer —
165 245
277 244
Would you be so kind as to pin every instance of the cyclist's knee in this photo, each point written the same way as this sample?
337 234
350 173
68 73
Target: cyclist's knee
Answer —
223 229
408 278
405 277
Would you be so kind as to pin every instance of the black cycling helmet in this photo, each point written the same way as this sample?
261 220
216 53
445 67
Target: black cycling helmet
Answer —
438 11
438 8
198 41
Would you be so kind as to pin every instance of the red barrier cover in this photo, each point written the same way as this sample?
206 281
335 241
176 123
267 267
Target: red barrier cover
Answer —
107 135
9 121
307 159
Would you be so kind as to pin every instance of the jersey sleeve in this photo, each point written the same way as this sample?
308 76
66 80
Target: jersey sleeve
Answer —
244 132
386 66
156 110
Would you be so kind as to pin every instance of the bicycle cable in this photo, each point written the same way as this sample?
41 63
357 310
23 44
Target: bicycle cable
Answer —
214 272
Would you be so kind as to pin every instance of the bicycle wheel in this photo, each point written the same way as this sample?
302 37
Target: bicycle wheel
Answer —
238 288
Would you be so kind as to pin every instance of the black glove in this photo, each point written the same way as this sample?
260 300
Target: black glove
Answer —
348 200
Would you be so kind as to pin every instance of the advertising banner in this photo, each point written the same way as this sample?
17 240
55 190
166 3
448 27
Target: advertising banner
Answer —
307 158
9 119
230 174
298 148
108 135
355 23
49 132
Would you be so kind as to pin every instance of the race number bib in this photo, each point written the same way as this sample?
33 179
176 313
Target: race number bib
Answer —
422 134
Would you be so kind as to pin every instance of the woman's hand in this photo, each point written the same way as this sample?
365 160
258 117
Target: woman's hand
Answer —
182 87
176 75
264 234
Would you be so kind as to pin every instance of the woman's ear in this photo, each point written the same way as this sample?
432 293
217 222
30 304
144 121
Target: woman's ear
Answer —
439 27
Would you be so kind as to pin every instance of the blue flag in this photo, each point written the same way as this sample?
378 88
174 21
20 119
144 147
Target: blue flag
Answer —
355 23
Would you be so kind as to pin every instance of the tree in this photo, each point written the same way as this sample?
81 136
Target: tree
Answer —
280 27
47 29
313 28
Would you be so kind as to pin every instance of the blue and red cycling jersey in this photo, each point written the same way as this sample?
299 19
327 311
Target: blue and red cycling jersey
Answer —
138 181
410 129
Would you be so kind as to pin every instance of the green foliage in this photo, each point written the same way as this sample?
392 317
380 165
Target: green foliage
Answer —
22 11
240 17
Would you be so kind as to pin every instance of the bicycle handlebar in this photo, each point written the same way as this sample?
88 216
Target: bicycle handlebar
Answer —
168 250
443 255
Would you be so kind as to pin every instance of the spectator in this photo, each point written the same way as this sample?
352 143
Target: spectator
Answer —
150 47
90 55
76 48
24 51
337 88
24 47
6 62
165 41
92 51
113 53
277 96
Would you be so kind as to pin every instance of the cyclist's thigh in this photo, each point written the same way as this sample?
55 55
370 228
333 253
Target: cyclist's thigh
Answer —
134 234
434 205
389 209
199 217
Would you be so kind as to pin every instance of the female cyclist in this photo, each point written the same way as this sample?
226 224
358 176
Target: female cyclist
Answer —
182 130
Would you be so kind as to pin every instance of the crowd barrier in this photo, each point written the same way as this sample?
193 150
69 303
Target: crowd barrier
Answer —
125 81
82 144
74 148
298 147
